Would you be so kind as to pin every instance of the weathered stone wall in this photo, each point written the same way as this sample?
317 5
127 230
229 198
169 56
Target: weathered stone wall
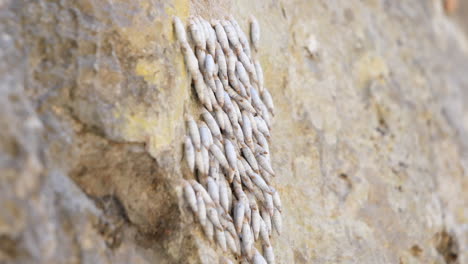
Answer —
369 142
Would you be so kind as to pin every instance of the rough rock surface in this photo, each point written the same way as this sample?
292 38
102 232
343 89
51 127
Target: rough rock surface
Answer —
370 140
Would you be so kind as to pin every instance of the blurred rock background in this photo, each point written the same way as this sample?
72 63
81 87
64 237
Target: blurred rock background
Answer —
370 140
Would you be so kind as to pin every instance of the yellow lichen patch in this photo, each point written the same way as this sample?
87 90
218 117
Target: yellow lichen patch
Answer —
149 70
158 141
141 35
370 67
137 126
157 131
462 216
179 8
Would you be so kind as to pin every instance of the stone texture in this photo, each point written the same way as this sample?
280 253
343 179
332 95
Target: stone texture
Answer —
369 142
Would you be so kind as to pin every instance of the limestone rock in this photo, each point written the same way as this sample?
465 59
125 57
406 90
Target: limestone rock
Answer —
369 142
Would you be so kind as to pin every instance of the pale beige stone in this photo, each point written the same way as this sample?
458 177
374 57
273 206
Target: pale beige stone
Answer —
369 139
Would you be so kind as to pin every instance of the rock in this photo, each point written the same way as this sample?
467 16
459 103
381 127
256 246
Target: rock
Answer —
369 139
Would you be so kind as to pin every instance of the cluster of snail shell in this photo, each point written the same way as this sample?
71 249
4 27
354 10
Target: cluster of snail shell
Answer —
227 149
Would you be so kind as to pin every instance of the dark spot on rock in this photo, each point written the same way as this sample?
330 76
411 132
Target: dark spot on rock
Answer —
349 15
13 98
399 42
11 146
343 188
416 251
110 225
382 128
447 246
10 249
112 207
402 164
283 12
